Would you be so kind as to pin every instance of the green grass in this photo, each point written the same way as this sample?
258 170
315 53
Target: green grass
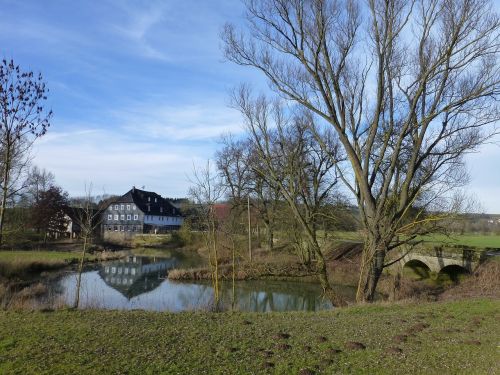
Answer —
473 240
461 337
470 239
32 256
23 263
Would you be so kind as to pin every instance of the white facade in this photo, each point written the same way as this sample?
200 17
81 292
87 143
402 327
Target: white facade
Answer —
162 220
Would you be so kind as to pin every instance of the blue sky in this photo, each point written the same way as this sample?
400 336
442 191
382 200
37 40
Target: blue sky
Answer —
139 90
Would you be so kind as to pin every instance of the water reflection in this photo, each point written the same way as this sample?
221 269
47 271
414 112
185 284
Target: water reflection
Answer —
135 275
141 283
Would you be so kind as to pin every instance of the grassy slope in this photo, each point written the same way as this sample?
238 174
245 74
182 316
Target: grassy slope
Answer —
38 256
196 343
21 263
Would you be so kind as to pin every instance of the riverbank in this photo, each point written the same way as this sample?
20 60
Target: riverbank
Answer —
24 274
452 337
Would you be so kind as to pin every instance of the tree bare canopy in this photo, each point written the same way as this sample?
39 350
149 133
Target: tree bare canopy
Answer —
409 87
287 156
22 119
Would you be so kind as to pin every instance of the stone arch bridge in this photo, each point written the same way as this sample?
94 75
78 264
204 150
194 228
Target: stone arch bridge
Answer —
439 258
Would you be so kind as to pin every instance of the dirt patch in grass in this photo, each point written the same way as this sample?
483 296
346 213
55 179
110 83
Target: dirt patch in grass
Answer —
354 345
394 350
398 339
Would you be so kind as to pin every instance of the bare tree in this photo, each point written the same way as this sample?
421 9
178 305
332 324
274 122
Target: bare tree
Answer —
239 169
88 217
292 160
206 191
22 119
37 181
409 87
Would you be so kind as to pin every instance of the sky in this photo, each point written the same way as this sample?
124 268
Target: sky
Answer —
140 91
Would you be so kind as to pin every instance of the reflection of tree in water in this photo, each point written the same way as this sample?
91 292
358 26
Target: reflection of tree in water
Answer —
281 296
257 296
136 275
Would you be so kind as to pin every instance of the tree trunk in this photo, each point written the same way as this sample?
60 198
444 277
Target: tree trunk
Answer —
5 188
328 291
80 269
372 265
270 239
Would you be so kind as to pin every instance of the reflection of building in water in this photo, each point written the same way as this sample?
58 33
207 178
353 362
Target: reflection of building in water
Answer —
135 275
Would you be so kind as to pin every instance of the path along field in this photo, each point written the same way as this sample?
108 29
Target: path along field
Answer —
435 338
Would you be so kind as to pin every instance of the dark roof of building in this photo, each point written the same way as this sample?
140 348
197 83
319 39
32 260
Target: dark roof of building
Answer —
149 202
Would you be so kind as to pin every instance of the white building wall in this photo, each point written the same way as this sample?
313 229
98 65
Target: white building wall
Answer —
162 220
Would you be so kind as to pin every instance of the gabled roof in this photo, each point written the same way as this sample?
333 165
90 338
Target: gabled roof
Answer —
149 202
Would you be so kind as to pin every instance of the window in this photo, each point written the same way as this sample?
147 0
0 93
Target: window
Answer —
110 217
122 228
128 207
156 200
133 206
133 228
122 217
136 217
129 217
116 217
116 228
111 207
161 209
149 199
122 207
149 208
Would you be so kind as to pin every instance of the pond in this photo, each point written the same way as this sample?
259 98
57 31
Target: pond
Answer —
139 282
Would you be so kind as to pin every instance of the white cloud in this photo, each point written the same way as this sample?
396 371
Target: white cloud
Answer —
139 22
113 163
190 122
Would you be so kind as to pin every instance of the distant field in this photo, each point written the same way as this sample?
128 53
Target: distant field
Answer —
475 240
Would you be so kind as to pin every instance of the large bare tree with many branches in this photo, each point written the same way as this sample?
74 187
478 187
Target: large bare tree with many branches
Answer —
409 87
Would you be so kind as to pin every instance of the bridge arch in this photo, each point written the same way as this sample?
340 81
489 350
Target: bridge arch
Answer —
452 272
417 268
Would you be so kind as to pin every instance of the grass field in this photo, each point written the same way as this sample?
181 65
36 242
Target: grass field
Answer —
470 239
474 240
438 338
20 263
